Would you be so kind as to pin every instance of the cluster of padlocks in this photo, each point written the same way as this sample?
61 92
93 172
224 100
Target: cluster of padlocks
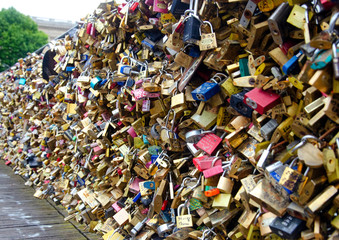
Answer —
184 120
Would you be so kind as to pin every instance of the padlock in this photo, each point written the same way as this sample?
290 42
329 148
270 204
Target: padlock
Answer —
178 7
183 59
160 6
208 41
248 13
311 188
207 90
237 102
184 221
293 180
260 100
287 227
320 201
276 23
265 159
225 184
192 26
210 142
204 162
331 165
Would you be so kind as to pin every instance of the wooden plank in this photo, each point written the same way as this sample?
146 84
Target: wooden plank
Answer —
24 217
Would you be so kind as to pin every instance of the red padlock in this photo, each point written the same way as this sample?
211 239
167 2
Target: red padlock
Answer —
261 100
209 143
212 192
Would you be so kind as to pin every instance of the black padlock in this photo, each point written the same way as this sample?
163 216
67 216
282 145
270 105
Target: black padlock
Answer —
277 23
287 227
192 30
178 8
109 212
237 102
154 35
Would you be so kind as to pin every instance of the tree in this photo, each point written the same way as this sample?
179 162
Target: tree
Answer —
19 34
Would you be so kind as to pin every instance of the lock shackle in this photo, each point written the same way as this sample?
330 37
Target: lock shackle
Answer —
154 131
183 185
293 162
209 24
167 118
220 76
334 48
187 45
206 233
115 231
333 20
303 141
259 213
180 207
215 160
197 184
128 58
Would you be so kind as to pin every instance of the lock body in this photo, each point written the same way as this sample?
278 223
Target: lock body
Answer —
205 91
191 30
287 227
261 100
225 185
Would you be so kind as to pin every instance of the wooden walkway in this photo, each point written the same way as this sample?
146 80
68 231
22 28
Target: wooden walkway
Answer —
22 216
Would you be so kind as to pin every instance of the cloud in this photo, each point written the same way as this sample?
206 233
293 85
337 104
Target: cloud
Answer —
61 9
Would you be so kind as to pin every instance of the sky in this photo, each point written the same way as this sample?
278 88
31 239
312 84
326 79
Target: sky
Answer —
58 9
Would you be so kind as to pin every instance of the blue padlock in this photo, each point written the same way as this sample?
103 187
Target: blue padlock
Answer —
97 83
149 185
144 138
148 43
323 58
22 81
166 216
194 51
70 69
292 65
154 158
208 89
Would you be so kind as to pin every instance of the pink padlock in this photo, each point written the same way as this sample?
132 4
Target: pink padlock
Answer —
130 108
88 28
98 150
205 162
153 95
213 171
146 105
160 6
149 2
134 187
139 93
116 207
132 132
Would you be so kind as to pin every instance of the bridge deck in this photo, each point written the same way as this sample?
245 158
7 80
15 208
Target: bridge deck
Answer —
24 217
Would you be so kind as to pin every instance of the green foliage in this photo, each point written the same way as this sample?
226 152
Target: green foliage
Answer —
19 34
